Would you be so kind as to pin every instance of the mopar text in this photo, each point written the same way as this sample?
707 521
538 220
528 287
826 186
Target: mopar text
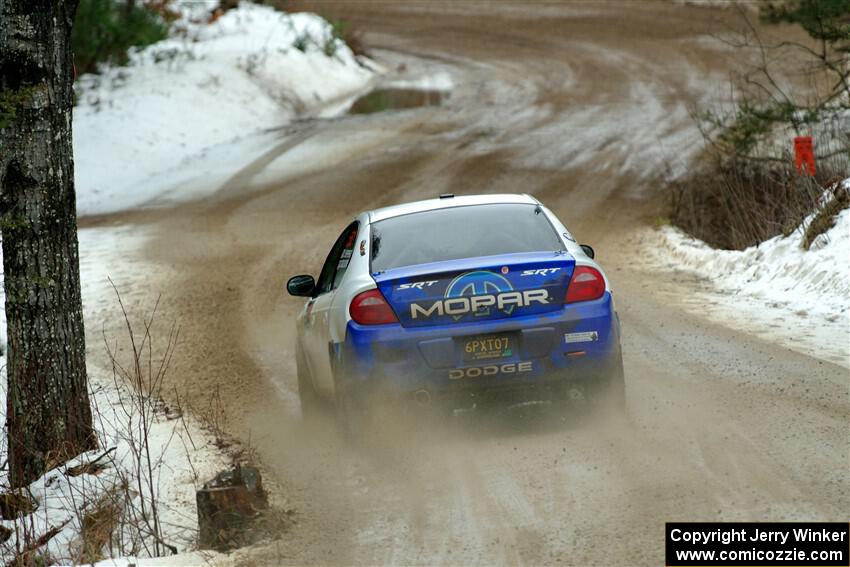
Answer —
506 301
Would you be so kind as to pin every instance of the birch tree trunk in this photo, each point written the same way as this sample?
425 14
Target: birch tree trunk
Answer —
48 414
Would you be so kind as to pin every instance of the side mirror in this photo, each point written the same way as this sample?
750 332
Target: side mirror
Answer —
301 286
588 249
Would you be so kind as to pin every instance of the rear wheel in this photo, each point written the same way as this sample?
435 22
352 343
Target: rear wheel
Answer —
617 386
610 394
310 403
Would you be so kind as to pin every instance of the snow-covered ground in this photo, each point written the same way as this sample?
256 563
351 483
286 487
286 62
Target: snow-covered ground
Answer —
141 131
799 298
184 456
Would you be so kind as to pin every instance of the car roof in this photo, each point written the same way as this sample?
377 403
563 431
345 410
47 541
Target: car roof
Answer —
450 201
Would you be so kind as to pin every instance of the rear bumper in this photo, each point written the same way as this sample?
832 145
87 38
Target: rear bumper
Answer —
578 342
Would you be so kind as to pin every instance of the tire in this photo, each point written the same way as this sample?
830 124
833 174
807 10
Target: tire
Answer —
310 403
616 394
609 394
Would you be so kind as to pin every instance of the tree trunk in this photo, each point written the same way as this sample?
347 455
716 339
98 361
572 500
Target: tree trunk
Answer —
48 414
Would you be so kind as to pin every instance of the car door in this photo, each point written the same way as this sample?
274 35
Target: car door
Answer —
317 320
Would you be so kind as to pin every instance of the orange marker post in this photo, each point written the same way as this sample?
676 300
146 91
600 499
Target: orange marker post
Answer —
804 155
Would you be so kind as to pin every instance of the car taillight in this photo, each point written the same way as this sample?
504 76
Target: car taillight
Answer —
586 284
370 308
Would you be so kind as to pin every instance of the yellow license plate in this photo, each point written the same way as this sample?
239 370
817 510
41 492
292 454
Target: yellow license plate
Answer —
487 348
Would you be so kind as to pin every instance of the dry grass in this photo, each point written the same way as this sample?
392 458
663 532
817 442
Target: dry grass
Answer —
98 525
825 218
16 503
734 205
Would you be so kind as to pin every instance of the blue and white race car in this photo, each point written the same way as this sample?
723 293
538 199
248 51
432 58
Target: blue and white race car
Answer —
458 299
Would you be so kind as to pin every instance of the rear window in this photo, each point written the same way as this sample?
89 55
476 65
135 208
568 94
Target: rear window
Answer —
461 232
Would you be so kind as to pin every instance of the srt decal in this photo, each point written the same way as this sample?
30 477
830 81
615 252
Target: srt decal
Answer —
476 371
417 285
540 272
478 292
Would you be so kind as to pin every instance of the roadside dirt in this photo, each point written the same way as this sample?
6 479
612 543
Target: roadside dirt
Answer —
576 104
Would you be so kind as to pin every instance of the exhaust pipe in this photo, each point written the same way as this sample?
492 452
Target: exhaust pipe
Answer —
422 397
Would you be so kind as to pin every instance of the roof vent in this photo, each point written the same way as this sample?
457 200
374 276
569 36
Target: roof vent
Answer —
447 196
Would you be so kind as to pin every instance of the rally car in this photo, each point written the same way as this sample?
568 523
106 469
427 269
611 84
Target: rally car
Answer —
461 300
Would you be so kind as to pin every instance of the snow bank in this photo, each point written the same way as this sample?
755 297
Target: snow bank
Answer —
251 70
183 457
800 297
778 270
